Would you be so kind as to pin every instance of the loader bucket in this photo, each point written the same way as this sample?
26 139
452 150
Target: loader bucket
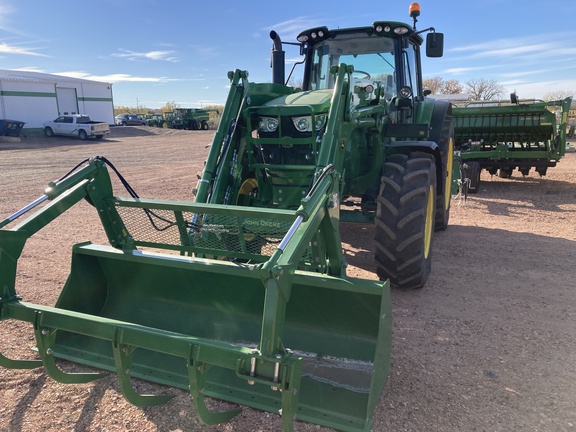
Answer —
339 327
195 306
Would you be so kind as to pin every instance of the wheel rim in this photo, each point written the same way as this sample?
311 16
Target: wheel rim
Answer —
429 224
449 167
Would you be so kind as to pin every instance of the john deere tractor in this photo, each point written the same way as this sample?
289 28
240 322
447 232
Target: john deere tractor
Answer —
191 118
242 295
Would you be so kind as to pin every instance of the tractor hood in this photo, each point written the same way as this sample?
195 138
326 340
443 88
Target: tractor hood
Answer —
319 100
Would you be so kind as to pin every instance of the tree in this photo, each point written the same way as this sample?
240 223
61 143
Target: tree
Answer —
435 84
558 95
484 90
132 110
170 106
452 87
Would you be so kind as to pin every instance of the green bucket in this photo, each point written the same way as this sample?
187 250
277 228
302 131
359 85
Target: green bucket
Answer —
340 328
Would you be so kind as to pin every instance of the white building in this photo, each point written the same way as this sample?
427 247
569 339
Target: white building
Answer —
34 97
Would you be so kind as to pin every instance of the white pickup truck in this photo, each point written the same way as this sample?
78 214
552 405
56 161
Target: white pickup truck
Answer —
78 125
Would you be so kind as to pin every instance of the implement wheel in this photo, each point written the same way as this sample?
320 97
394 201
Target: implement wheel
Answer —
405 220
471 170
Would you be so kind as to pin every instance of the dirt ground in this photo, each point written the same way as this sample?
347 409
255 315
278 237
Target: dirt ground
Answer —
488 344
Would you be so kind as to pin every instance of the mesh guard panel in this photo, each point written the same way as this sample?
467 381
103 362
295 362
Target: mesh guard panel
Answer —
214 234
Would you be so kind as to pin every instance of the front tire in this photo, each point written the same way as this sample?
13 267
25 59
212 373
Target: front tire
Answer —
48 131
444 198
405 220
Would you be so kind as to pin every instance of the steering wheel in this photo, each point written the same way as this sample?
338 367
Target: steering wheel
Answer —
367 75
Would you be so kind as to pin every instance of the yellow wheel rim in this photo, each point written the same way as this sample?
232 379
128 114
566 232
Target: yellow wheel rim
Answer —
248 186
429 224
449 167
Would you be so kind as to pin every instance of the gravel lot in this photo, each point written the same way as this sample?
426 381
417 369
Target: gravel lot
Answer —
488 344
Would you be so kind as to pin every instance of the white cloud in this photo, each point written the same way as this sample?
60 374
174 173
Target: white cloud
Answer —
295 26
120 77
111 78
526 48
15 49
150 55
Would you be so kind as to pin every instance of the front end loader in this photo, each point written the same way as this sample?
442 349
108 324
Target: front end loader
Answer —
242 295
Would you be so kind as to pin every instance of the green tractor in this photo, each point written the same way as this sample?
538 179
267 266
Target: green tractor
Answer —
156 120
192 118
243 295
168 119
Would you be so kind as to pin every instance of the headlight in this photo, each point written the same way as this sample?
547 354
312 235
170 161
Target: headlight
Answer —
268 124
304 124
405 92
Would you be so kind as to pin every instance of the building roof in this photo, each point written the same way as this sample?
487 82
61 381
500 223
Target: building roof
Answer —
19 75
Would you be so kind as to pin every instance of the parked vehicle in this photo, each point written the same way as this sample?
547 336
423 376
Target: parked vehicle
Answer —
192 118
76 125
129 120
169 117
156 120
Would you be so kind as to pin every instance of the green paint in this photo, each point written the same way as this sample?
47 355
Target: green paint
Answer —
94 99
27 94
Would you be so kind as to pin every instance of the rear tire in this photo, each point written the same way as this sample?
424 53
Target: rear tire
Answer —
48 131
471 170
82 135
205 126
405 220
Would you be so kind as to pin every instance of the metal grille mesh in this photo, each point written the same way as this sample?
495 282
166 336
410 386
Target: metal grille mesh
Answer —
219 234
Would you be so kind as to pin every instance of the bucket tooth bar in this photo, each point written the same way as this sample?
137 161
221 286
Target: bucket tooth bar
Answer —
123 356
46 344
281 372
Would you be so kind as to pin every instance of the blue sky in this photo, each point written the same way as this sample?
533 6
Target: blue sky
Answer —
155 51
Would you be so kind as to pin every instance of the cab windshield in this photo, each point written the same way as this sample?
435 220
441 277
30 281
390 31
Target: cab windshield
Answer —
372 57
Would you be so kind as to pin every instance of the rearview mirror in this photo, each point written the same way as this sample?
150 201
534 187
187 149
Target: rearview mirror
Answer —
434 44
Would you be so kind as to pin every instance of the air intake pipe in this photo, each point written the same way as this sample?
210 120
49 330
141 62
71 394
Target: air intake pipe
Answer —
277 60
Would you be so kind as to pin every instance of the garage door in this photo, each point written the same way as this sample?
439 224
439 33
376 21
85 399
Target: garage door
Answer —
67 102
